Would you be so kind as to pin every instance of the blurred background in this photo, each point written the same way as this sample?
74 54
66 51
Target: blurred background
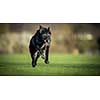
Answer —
66 38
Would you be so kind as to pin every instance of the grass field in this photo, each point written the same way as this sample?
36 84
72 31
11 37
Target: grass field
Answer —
60 64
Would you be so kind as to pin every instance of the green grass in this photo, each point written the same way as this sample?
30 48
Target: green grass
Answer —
60 64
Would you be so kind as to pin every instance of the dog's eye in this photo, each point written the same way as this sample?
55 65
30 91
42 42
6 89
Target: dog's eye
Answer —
44 35
43 31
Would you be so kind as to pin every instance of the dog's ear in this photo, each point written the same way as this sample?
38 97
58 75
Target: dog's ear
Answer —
40 27
48 28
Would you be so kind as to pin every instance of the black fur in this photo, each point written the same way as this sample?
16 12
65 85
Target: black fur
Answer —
40 44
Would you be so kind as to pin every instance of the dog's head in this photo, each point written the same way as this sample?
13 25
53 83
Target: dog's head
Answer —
45 34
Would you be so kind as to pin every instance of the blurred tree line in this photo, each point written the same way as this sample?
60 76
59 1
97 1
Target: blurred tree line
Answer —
66 38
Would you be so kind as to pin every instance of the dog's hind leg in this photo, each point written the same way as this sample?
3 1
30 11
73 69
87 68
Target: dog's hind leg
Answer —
33 60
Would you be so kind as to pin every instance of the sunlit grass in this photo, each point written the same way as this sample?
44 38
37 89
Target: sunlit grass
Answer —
60 64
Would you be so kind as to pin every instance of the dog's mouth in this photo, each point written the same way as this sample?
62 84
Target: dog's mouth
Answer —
47 42
45 39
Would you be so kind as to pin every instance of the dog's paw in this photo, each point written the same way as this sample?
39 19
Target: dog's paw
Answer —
47 62
33 65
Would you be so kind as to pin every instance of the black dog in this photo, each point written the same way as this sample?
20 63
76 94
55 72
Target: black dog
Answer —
40 44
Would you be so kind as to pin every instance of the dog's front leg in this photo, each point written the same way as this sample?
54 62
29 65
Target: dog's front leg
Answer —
37 56
47 55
